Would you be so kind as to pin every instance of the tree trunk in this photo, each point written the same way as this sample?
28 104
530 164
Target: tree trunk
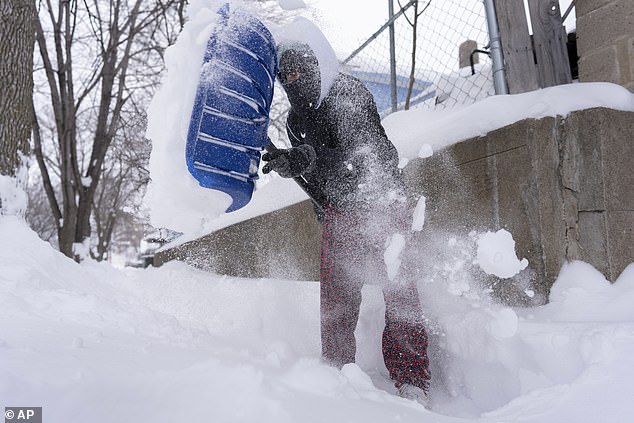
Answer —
17 39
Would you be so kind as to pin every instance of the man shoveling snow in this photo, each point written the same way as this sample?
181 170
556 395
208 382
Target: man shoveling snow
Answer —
341 151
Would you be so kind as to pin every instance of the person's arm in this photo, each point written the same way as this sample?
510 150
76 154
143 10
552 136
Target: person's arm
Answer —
292 163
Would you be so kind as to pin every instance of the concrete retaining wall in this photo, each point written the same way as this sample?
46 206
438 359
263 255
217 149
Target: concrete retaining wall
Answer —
605 41
282 244
562 187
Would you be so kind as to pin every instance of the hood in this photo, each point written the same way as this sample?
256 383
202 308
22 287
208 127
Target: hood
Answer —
304 93
302 42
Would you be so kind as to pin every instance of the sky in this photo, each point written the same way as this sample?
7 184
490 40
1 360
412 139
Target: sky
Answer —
347 24
91 342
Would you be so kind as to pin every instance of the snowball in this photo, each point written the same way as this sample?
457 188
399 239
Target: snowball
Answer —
496 254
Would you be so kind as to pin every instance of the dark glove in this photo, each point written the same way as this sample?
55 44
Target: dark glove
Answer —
290 162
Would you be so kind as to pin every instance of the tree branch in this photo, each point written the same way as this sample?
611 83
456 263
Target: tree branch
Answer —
46 179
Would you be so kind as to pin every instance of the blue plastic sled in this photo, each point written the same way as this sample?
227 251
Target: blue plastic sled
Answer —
230 118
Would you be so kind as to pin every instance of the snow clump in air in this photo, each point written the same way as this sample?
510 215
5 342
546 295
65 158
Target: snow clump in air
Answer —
496 254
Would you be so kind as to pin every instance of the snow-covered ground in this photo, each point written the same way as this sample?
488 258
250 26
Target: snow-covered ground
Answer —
90 342
93 343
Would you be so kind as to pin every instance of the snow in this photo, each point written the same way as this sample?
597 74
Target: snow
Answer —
441 128
174 198
177 202
425 151
90 342
392 254
292 4
13 199
496 254
418 219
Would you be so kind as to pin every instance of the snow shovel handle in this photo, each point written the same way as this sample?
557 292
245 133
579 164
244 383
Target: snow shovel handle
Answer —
317 197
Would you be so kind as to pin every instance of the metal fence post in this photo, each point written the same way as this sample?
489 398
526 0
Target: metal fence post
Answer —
392 58
499 80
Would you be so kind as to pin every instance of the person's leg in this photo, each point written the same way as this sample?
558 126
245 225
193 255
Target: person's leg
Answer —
340 294
339 315
404 337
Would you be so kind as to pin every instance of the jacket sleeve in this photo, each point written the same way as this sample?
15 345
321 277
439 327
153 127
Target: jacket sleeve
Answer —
293 135
291 130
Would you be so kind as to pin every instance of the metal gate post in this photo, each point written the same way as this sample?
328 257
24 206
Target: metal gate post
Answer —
499 80
392 57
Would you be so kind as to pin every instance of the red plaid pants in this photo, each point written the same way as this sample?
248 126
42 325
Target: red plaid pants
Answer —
352 247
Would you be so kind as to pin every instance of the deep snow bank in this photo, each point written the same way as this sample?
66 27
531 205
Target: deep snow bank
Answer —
89 342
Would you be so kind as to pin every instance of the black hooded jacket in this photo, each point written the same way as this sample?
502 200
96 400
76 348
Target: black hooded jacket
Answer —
356 164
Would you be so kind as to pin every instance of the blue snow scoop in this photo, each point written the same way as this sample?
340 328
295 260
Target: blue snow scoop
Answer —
230 118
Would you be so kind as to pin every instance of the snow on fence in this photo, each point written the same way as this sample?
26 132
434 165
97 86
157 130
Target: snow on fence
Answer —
440 77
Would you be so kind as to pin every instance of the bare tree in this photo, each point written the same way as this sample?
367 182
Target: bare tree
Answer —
17 39
95 56
414 24
123 184
113 194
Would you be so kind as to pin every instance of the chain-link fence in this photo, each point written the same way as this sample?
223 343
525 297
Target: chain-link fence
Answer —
439 81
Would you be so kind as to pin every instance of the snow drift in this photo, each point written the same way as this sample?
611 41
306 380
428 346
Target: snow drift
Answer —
93 343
